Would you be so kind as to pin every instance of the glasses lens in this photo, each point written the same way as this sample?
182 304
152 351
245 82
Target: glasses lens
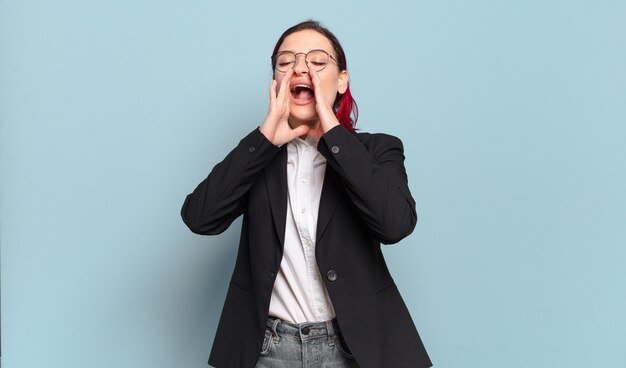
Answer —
285 61
317 59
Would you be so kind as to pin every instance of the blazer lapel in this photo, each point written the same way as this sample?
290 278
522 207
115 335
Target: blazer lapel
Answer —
331 193
276 185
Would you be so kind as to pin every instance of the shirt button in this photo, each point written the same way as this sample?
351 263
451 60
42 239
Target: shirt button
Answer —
251 149
331 275
303 210
335 149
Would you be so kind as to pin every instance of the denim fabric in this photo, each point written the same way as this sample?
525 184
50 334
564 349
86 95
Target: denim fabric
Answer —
305 345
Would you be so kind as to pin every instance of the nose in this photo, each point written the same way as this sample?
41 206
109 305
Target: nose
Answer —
300 67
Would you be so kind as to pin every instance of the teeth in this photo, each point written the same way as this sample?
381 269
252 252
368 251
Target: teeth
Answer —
301 85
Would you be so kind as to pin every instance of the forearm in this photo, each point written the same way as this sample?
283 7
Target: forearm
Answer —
375 180
220 198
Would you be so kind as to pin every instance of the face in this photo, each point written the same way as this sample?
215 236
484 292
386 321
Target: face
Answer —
302 101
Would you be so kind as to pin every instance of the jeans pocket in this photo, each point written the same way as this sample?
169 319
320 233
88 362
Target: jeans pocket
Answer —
342 347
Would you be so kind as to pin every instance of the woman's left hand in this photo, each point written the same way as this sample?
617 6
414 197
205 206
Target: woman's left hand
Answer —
325 112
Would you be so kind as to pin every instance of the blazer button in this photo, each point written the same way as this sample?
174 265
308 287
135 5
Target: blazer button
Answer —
251 149
331 275
335 149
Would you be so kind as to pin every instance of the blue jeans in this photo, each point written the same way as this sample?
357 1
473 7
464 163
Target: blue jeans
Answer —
305 345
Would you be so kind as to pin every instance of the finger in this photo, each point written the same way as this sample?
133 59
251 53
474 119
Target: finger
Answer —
314 78
323 108
273 92
284 85
317 86
283 92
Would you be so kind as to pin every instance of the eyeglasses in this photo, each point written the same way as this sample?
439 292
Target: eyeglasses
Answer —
316 59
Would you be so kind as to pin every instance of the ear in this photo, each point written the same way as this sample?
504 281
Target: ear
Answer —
342 83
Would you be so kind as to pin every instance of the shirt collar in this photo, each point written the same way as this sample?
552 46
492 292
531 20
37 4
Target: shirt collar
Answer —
306 142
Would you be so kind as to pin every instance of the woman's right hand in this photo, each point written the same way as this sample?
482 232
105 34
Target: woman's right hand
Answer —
276 127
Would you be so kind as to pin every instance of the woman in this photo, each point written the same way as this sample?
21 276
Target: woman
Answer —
310 285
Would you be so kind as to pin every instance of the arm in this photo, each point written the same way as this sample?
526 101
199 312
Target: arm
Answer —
374 176
220 198
375 180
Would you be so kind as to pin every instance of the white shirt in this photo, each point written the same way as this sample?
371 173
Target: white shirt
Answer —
299 294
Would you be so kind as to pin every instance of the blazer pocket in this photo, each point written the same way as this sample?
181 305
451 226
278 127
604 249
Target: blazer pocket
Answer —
240 285
380 290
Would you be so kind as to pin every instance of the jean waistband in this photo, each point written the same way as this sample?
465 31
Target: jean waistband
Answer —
303 331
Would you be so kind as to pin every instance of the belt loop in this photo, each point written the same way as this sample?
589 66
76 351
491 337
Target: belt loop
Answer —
274 332
331 333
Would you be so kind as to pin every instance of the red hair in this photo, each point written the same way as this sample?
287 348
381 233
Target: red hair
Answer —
347 112
345 107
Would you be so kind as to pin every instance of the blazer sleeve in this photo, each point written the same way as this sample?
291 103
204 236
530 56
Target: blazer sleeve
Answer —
375 180
220 198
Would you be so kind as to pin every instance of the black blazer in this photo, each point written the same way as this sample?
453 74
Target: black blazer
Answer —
365 201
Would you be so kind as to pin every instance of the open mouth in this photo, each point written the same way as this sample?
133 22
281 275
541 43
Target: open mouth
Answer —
302 92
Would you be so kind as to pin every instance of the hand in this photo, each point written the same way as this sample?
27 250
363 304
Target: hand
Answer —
325 112
276 127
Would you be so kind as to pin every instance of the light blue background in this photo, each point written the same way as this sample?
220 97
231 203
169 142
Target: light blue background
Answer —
513 117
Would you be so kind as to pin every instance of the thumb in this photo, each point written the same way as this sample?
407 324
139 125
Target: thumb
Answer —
300 130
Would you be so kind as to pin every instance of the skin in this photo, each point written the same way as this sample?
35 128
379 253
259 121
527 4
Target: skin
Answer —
288 118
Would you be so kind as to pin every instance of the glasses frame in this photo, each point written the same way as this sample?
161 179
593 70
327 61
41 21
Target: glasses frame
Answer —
306 54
